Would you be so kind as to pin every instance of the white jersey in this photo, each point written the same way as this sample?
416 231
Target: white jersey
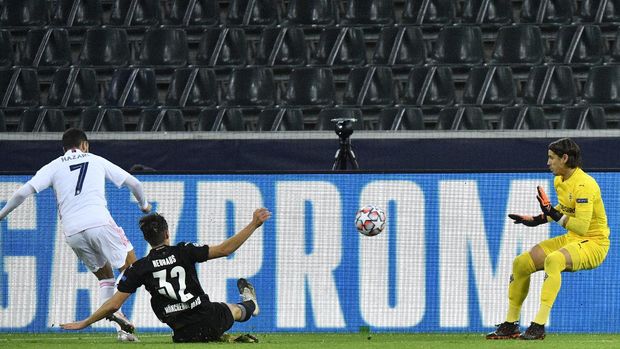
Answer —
78 180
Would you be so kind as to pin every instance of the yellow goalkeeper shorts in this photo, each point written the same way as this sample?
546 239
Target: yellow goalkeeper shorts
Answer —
586 253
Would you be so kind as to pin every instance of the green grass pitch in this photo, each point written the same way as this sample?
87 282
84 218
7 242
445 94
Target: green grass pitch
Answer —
312 340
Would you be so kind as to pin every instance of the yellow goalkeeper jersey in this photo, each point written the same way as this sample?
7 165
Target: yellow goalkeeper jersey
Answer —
579 198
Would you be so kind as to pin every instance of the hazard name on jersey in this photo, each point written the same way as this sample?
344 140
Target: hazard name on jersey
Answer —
163 262
73 156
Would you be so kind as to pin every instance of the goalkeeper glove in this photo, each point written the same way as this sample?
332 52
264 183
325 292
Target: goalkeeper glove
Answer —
545 205
528 220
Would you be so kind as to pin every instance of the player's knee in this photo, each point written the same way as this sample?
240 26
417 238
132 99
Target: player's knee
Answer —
555 261
523 264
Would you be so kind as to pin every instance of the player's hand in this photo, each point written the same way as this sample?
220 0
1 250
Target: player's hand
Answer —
260 216
529 221
146 209
545 204
78 325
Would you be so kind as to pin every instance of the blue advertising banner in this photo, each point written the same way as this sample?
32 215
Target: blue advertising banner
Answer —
442 264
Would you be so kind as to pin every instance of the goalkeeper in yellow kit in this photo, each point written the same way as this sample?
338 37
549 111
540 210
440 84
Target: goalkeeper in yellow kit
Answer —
581 211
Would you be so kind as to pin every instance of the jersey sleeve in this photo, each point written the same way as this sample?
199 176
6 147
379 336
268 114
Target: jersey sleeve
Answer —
196 253
585 194
130 280
114 173
43 178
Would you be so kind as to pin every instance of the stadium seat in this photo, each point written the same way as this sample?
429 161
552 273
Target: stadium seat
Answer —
46 48
164 47
23 13
73 87
280 119
603 85
518 45
490 86
428 12
101 119
582 118
310 87
7 55
395 119
324 121
221 119
312 12
458 45
496 12
430 86
191 87
41 120
2 122
135 13
132 87
77 13
368 12
550 85
369 86
188 13
461 118
400 46
578 44
283 46
524 117
340 46
161 120
550 12
104 48
615 48
222 47
253 13
19 87
251 87
600 11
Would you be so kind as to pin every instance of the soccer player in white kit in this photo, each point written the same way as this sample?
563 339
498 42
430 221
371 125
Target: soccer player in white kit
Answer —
78 179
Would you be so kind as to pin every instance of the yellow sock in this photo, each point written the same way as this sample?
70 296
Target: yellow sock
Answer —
522 267
555 263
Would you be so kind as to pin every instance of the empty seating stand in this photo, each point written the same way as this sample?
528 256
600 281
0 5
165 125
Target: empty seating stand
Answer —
101 119
41 120
78 13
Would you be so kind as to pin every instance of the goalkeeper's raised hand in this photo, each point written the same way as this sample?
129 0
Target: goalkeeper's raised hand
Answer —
530 221
545 205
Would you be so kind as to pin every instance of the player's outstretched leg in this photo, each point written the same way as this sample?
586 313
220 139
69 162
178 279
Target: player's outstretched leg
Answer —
505 330
247 292
535 331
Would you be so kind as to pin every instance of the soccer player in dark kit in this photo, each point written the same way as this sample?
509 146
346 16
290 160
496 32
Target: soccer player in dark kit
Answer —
169 275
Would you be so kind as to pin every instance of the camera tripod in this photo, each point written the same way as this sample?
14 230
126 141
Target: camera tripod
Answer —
344 154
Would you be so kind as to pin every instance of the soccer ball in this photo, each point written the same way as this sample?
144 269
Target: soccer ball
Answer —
370 220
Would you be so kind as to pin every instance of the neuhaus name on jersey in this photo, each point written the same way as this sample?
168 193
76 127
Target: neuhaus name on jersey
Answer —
163 262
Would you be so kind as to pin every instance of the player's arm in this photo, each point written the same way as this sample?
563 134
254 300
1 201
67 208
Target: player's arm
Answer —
110 306
584 206
231 244
137 189
17 199
120 178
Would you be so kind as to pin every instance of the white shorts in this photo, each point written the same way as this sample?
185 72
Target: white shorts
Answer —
100 245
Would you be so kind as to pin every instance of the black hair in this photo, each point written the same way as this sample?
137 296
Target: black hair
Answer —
154 227
569 147
73 138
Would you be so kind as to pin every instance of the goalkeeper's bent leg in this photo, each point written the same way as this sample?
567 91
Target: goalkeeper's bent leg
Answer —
555 263
522 267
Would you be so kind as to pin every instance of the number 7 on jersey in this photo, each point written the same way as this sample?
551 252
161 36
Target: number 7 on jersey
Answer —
83 167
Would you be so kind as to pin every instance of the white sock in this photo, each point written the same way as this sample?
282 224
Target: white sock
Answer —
106 291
